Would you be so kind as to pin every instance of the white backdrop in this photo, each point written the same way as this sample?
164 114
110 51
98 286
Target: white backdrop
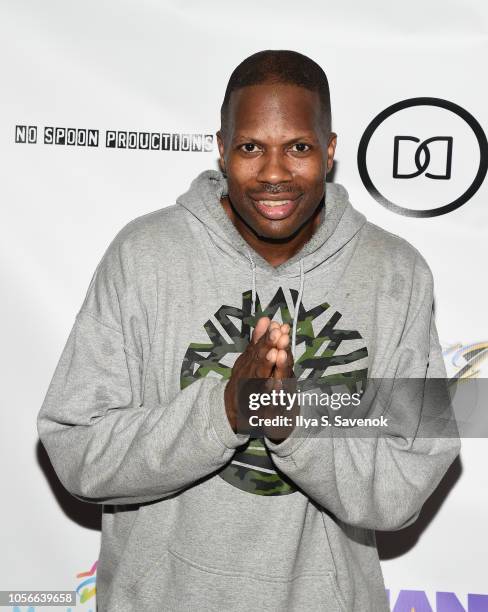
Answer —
151 66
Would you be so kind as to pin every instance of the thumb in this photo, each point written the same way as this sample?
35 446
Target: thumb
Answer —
260 329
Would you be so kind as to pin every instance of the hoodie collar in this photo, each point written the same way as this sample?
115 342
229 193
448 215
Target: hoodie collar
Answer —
339 223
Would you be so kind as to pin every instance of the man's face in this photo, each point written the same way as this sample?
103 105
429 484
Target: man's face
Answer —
276 153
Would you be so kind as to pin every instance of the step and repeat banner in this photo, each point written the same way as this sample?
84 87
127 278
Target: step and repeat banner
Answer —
109 110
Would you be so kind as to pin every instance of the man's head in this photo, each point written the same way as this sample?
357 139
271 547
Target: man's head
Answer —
275 142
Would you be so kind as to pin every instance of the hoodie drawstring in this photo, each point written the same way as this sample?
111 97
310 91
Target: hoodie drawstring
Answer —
296 306
253 268
297 310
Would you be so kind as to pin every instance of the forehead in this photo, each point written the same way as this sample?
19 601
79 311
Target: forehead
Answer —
275 106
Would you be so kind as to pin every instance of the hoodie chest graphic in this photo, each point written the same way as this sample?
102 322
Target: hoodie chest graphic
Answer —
325 347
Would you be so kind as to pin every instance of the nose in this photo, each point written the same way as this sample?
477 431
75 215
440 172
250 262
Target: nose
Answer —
274 169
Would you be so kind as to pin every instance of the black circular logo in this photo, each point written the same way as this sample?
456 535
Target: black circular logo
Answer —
435 209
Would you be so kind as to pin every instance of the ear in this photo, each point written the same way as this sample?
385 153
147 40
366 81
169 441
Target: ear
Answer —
220 144
331 151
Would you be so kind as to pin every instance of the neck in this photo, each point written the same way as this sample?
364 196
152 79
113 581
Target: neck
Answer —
275 251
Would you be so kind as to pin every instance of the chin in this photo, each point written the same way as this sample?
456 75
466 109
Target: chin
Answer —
276 233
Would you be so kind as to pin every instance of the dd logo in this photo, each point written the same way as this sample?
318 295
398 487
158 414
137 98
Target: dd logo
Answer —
431 175
422 149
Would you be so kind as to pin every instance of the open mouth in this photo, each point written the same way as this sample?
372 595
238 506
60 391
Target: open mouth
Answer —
276 209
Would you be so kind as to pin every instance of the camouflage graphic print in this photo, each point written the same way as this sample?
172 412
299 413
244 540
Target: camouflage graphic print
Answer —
251 468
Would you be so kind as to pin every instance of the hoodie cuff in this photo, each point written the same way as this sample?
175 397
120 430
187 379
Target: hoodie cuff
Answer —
219 420
288 446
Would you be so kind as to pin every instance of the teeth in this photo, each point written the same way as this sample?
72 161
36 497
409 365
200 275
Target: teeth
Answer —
273 202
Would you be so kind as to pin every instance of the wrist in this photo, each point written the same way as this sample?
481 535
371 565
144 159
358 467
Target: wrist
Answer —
229 408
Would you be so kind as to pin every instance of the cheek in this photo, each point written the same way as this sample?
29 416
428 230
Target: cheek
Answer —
242 166
310 177
313 171
315 176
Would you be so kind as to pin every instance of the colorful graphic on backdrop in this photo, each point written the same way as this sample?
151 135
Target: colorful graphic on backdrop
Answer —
465 361
85 591
419 601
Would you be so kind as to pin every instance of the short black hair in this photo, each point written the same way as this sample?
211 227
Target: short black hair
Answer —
278 66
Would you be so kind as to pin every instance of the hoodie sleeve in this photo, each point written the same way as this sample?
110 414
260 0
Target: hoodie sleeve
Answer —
381 482
105 443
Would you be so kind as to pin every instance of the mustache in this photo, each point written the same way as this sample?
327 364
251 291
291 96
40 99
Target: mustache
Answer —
274 189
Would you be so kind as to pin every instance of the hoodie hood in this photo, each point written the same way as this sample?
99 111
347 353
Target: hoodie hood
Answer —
340 222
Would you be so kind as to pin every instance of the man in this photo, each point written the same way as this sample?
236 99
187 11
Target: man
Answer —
142 413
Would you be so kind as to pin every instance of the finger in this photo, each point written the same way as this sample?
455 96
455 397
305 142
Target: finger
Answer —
268 341
280 366
271 355
284 364
285 328
274 335
281 360
283 341
261 327
265 366
290 358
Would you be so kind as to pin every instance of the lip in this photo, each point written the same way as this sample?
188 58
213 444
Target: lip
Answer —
276 211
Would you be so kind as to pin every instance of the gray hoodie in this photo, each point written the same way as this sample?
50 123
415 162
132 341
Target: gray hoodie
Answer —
196 517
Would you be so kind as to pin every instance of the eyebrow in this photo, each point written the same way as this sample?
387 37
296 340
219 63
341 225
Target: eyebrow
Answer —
306 136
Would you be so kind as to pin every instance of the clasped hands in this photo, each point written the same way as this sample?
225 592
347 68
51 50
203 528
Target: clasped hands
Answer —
268 357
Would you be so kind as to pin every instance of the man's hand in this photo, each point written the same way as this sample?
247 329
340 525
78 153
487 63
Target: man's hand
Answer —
267 347
283 370
267 356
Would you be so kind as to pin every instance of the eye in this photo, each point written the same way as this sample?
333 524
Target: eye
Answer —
301 149
248 147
